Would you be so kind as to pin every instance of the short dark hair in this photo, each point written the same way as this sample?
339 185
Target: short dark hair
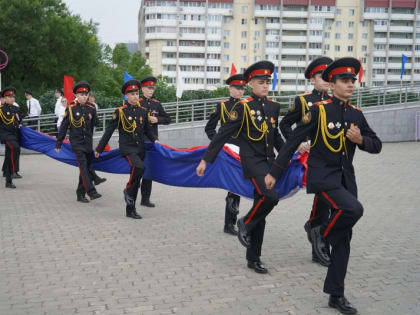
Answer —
59 90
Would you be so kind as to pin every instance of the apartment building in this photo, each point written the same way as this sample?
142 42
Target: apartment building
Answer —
204 37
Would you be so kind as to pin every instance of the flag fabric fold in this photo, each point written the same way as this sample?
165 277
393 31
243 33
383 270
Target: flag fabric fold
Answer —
175 167
68 88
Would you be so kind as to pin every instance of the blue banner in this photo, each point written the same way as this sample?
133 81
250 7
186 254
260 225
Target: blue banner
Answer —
171 166
273 87
404 59
127 77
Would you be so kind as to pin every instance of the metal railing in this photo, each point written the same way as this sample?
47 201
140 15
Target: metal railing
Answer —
199 110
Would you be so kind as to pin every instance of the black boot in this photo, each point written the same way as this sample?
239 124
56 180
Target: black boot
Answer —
82 198
128 199
230 229
130 212
16 175
95 195
10 185
307 228
319 246
99 180
243 236
231 205
147 203
341 304
258 266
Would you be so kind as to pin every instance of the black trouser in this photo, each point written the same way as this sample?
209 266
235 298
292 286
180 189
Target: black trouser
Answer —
11 157
93 174
146 189
346 211
230 218
137 169
319 214
264 201
85 181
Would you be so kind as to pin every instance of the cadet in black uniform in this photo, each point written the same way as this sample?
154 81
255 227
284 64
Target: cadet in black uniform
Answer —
254 122
221 112
80 118
9 133
158 116
335 128
320 210
132 121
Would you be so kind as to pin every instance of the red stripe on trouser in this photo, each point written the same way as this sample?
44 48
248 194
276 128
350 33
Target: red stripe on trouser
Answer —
339 212
313 209
11 156
81 176
256 186
255 210
131 173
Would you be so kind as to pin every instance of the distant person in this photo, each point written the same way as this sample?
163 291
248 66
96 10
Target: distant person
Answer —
34 108
58 106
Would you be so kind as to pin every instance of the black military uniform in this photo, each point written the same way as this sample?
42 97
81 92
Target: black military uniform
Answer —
155 109
331 174
320 210
9 135
80 119
133 126
221 113
254 122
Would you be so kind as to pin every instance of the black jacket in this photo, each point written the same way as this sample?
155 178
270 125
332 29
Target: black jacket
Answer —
220 113
155 109
328 169
246 123
298 109
131 137
10 118
81 120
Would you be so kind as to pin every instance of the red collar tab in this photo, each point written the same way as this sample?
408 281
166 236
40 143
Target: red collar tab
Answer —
340 70
259 72
317 69
131 87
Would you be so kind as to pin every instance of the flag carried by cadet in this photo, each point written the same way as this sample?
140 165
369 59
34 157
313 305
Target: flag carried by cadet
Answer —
361 72
68 88
273 87
127 77
233 70
404 59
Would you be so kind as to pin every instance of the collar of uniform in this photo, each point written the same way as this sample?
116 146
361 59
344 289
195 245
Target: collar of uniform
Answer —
258 99
340 102
316 92
234 99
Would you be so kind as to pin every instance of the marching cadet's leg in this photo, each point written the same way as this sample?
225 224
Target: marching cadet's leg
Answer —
85 181
146 191
133 185
6 152
10 160
231 213
253 253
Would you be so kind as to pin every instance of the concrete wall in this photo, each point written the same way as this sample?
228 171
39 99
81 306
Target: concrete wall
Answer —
392 123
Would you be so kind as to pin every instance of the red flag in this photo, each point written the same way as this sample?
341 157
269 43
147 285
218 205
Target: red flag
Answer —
361 71
233 70
68 88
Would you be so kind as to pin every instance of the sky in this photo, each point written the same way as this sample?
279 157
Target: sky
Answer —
117 18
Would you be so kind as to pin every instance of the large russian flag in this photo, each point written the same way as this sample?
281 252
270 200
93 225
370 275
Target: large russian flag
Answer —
175 167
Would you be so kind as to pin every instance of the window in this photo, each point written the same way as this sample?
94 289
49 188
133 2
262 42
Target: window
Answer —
365 23
351 24
244 22
315 45
327 34
226 45
226 32
257 33
257 21
327 47
363 60
417 47
227 19
379 59
257 58
350 35
226 70
338 24
169 43
243 58
365 35
379 47
226 57
257 46
349 48
338 11
337 35
244 9
213 43
243 46
337 47
417 35
243 34
351 12
364 48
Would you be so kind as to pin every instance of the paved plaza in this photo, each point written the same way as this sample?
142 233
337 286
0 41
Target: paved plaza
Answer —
58 256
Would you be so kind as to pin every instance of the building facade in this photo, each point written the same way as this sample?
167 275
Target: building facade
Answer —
203 38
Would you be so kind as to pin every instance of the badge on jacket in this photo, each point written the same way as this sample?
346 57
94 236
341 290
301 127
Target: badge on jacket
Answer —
307 118
233 115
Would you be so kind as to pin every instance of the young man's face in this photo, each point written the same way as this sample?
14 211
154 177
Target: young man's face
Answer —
147 91
9 100
236 92
132 97
343 88
260 87
319 84
57 94
2 100
28 96
82 97
91 99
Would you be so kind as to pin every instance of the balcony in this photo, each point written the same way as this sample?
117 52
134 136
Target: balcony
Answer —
326 15
272 38
169 23
315 51
191 49
214 49
171 74
292 88
294 39
220 11
183 23
293 63
379 40
191 61
379 53
293 51
214 62
169 61
168 49
375 16
266 13
380 28
272 51
397 65
150 36
400 17
401 41
274 26
191 10
400 28
296 27
166 9
292 76
295 14
398 53
192 36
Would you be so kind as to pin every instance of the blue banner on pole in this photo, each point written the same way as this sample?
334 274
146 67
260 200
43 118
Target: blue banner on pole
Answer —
273 88
404 59
127 77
